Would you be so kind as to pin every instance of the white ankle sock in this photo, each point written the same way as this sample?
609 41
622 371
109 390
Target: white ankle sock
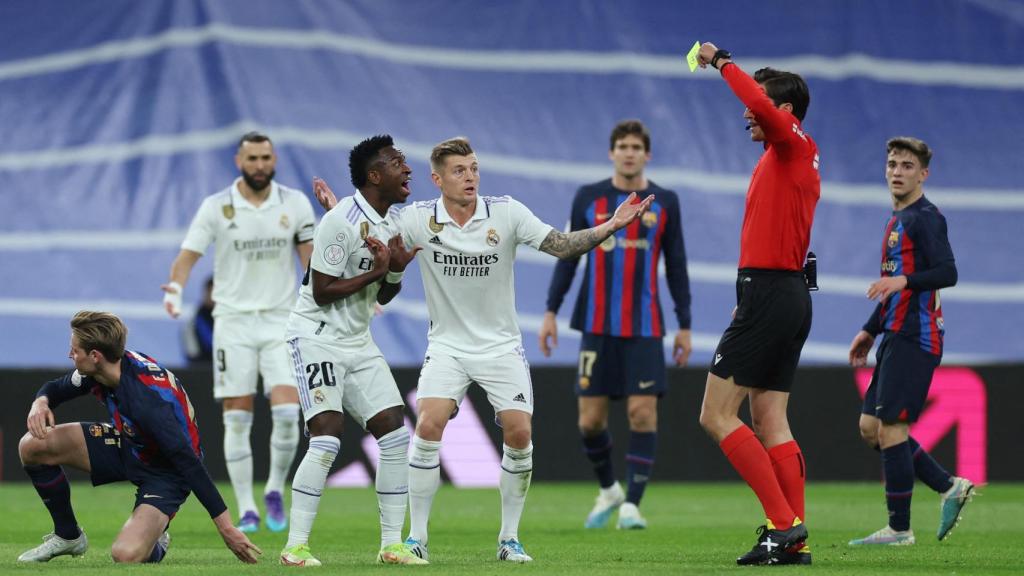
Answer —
308 485
516 472
393 484
284 440
424 480
238 457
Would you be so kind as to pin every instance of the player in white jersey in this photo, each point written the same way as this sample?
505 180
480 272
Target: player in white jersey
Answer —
257 227
469 245
337 366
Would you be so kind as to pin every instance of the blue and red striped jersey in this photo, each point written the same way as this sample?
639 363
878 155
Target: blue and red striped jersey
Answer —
916 245
158 427
619 295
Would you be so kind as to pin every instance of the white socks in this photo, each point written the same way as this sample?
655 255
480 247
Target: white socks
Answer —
393 484
238 457
424 480
516 471
308 484
284 441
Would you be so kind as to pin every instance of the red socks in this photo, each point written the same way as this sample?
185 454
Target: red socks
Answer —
750 459
788 462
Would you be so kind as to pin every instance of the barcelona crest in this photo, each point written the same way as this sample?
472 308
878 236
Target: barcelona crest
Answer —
894 239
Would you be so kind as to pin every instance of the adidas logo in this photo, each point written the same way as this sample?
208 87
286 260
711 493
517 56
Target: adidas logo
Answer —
518 397
435 240
232 226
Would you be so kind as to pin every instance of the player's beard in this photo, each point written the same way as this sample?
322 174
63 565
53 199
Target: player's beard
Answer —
254 184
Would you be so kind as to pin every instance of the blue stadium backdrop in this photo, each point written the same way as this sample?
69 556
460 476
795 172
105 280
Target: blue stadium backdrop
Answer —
119 116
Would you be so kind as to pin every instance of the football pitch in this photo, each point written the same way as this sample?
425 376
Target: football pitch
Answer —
694 529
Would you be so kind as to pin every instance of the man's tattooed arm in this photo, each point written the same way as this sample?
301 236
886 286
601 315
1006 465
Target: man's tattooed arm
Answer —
573 244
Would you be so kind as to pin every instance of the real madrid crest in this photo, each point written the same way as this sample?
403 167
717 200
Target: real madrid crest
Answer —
318 397
364 229
434 226
492 237
284 221
649 219
894 238
228 210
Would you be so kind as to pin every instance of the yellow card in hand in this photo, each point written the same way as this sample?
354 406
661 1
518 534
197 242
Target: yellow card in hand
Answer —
691 56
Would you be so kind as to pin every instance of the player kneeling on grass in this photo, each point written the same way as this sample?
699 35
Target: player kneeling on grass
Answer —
152 442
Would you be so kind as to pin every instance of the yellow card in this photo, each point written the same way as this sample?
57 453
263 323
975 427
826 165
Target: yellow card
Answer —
691 56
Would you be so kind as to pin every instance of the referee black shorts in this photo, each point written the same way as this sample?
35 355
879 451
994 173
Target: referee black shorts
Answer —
761 347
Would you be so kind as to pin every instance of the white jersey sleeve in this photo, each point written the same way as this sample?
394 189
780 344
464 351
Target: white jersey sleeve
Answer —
332 244
306 222
203 230
529 229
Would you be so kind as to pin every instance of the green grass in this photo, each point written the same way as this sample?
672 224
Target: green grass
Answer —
694 529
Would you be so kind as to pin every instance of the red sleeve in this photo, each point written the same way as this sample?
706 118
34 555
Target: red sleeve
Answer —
776 124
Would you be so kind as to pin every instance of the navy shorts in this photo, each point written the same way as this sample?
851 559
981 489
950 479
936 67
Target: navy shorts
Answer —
900 382
615 367
761 347
164 491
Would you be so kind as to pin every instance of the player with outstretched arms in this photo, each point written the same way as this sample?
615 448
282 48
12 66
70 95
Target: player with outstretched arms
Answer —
469 244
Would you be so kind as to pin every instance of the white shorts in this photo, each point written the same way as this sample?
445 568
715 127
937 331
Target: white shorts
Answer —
340 379
246 346
505 379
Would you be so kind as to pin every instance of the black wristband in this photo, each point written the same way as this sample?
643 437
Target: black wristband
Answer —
719 54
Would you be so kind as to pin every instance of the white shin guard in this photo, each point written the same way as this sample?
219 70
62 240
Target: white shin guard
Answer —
284 441
424 480
516 472
393 484
238 457
308 485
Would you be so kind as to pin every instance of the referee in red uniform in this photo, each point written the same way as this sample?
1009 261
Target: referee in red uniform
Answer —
758 354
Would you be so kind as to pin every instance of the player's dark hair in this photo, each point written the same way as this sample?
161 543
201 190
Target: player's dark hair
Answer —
362 158
100 331
630 128
458 146
784 87
254 137
913 145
